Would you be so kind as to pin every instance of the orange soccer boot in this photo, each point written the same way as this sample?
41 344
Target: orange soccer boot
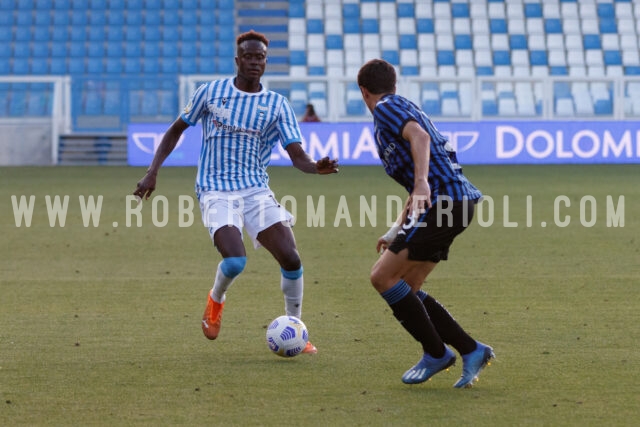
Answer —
212 318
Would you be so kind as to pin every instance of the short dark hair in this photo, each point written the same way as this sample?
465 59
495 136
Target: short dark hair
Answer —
252 35
377 76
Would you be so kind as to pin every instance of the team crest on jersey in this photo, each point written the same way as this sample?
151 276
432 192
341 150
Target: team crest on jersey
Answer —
188 108
220 113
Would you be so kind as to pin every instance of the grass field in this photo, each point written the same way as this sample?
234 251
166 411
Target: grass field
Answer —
101 325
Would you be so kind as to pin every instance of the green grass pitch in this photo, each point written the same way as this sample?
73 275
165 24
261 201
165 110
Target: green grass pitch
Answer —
101 325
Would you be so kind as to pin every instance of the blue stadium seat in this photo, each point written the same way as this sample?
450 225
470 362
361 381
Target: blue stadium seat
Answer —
188 17
112 103
132 50
351 26
190 34
39 66
58 66
463 41
42 17
553 26
97 18
60 18
23 34
169 65
40 50
406 10
188 65
225 66
62 5
498 26
370 26
77 50
538 57
333 41
152 17
296 10
95 65
5 51
171 33
79 17
21 50
25 4
532 10
315 26
170 50
77 34
152 33
24 18
591 41
98 4
18 101
6 19
350 10
59 33
484 70
518 41
391 56
153 4
96 34
6 34
76 65
113 65
446 57
501 57
44 4
188 50
114 50
170 18
133 17
424 25
117 4
558 70
606 10
206 65
132 65
459 10
151 50
612 57
608 26
150 65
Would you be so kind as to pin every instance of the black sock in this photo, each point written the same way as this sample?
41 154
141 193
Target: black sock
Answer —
412 315
448 329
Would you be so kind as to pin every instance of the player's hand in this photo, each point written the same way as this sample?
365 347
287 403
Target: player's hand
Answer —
420 198
326 166
382 245
146 186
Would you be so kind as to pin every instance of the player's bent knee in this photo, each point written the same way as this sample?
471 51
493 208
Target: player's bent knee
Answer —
232 266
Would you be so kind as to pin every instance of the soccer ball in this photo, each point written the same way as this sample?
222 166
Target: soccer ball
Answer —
287 336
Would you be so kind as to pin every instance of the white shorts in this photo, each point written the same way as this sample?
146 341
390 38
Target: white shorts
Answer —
254 209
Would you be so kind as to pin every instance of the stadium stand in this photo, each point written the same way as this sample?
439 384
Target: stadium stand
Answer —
125 57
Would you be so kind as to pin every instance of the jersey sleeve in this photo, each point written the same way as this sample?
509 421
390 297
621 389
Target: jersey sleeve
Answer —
196 106
288 127
393 115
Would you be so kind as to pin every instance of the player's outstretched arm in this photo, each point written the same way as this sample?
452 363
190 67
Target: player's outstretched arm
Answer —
302 161
147 184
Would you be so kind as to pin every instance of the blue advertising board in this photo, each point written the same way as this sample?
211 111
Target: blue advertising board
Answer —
477 143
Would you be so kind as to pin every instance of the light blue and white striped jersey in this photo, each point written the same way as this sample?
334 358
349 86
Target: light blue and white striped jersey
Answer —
239 131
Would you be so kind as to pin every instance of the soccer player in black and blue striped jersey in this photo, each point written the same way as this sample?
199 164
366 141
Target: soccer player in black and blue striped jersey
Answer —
439 207
242 122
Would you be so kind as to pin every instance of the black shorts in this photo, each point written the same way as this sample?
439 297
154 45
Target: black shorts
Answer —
429 238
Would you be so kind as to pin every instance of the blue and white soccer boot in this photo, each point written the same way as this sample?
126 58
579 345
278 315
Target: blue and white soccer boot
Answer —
428 366
473 363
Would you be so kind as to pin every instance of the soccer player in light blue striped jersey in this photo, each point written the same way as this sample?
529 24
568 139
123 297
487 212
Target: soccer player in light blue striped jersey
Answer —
241 124
439 207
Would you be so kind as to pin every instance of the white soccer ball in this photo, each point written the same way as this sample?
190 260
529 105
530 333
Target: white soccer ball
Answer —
287 336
